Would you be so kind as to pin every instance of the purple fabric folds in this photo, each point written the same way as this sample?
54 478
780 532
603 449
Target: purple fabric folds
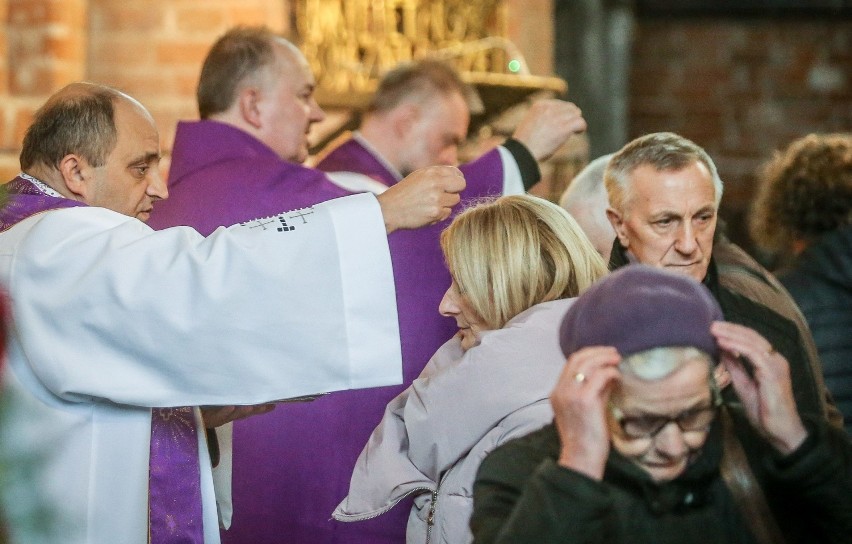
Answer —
174 484
25 200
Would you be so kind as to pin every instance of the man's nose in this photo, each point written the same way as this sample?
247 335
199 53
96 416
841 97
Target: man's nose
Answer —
317 113
157 186
685 242
450 156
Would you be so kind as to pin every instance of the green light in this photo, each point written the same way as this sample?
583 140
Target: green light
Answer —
514 65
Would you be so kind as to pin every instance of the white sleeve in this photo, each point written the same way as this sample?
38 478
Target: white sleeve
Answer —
290 305
357 183
512 182
222 474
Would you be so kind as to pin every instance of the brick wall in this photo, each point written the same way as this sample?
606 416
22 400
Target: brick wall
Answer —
151 49
741 89
41 49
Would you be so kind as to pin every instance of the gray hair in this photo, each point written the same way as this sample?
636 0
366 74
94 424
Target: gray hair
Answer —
664 151
80 120
658 363
588 183
242 54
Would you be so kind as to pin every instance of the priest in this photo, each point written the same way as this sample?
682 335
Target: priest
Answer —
119 331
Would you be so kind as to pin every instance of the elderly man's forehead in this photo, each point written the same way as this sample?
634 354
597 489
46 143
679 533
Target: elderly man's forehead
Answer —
289 53
652 175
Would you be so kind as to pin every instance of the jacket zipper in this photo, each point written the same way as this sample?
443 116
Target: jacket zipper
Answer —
430 519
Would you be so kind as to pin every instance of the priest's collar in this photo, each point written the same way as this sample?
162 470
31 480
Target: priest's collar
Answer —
358 137
41 186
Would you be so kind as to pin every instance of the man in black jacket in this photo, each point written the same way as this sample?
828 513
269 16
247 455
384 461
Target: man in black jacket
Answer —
664 193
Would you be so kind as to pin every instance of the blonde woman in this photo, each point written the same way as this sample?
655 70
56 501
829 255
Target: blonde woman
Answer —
516 263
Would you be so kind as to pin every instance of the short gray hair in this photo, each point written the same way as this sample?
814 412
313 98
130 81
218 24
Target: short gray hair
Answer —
241 54
664 151
658 363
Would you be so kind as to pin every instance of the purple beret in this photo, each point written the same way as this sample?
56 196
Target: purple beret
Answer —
639 307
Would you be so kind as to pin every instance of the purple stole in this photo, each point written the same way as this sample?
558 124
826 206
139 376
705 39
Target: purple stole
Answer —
25 200
174 479
174 488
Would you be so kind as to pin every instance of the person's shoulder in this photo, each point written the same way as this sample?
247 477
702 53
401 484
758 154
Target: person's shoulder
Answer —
516 460
738 308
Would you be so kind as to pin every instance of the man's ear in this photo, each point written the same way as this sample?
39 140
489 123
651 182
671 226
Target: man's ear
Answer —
73 170
249 103
616 219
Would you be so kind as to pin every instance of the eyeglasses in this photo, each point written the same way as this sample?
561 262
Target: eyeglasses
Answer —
690 421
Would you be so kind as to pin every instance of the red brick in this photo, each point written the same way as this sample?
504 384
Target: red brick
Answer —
176 53
70 48
119 52
138 17
23 119
200 17
7 143
260 14
9 166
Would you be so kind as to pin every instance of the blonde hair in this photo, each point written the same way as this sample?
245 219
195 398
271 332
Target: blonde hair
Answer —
513 252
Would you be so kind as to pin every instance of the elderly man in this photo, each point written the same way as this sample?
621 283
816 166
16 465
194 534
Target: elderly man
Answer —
113 319
641 450
664 194
243 159
586 200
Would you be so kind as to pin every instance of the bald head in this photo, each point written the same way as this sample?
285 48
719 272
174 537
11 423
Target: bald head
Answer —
586 200
242 56
97 145
80 119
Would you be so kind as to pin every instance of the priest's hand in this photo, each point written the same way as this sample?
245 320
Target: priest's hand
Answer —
424 197
216 416
579 403
761 377
547 125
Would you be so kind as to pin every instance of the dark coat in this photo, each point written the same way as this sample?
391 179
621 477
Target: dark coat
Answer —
821 283
522 495
779 331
